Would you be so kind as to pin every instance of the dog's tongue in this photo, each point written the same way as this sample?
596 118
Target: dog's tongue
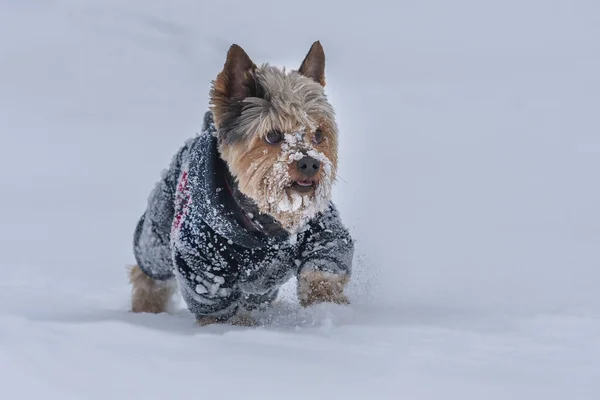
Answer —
305 183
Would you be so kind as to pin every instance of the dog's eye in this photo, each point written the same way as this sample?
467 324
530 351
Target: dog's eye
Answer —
274 137
318 136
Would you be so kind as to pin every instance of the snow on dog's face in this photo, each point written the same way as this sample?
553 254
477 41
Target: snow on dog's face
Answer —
277 134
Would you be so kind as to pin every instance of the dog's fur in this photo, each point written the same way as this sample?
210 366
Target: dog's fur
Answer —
281 101
249 102
149 295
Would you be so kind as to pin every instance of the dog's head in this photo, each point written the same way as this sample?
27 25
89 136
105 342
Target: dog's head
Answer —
277 133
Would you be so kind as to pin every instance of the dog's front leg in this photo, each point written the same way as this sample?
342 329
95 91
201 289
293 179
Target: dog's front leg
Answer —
319 287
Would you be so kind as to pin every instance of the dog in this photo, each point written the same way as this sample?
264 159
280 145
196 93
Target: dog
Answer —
246 205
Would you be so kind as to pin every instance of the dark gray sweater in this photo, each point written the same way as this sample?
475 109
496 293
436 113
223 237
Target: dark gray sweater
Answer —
191 230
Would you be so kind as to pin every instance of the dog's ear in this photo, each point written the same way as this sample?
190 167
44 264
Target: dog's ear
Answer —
313 65
236 81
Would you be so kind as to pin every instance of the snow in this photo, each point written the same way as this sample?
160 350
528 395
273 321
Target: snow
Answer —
468 174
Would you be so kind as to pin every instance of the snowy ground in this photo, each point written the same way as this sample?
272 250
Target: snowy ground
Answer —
470 158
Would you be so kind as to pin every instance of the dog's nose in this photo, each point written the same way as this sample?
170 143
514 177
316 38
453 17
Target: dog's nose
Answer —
309 166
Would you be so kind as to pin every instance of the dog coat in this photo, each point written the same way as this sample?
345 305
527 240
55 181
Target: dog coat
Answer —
188 232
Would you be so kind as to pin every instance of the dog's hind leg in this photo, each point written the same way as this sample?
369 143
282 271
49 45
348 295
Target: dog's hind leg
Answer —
150 295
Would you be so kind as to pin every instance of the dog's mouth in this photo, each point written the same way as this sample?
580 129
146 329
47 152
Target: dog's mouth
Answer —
304 186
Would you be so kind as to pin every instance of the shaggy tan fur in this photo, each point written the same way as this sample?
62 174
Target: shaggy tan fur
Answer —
149 295
319 287
290 102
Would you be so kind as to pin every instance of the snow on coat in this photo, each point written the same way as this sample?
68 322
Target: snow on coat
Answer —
188 232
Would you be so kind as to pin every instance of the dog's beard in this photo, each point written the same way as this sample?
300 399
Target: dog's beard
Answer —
289 207
275 196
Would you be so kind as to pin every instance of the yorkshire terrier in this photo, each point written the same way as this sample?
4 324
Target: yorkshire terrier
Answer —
246 205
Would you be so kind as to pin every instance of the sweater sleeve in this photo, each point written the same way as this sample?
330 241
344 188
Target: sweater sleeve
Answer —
327 245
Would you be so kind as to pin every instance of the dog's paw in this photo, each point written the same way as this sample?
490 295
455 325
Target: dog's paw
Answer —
239 319
243 319
322 287
204 321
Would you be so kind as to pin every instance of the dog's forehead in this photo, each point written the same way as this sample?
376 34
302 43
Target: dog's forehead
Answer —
293 99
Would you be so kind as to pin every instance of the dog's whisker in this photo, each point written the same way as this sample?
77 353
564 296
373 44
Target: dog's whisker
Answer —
337 177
